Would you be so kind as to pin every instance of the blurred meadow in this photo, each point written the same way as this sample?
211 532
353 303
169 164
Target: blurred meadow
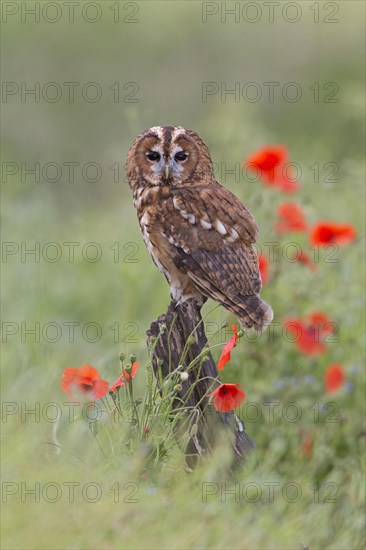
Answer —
89 289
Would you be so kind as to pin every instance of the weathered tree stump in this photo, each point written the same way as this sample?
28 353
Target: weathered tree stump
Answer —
184 336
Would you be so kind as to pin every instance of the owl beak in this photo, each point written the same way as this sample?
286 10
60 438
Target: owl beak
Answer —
167 171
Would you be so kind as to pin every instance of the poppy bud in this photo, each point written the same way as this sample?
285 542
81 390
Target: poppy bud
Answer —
191 340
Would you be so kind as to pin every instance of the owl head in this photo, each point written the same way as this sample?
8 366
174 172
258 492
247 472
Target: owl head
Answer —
168 155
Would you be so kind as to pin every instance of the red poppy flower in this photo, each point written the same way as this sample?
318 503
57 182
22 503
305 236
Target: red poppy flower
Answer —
225 355
320 318
333 378
324 233
291 218
304 258
309 341
263 264
267 159
271 162
227 397
85 380
125 377
309 332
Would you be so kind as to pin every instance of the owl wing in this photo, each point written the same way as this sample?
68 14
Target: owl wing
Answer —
212 234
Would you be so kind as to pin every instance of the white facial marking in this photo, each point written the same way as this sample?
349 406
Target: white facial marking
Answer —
176 149
219 226
158 167
157 130
177 132
176 168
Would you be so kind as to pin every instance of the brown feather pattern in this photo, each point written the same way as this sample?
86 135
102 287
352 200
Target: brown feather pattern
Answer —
199 234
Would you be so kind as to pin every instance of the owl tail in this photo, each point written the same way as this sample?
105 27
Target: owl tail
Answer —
253 312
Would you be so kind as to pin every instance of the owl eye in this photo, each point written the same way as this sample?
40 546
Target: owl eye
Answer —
153 156
181 156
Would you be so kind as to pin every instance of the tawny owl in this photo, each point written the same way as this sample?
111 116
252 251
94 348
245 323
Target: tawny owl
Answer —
198 233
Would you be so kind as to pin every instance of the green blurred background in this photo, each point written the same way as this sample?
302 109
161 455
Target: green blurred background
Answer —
158 65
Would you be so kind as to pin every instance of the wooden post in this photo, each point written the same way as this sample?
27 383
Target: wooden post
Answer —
185 330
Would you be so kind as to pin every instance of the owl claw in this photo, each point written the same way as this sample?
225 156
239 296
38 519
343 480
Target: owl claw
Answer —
199 299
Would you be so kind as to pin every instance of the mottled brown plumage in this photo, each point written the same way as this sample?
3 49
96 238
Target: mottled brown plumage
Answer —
198 233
